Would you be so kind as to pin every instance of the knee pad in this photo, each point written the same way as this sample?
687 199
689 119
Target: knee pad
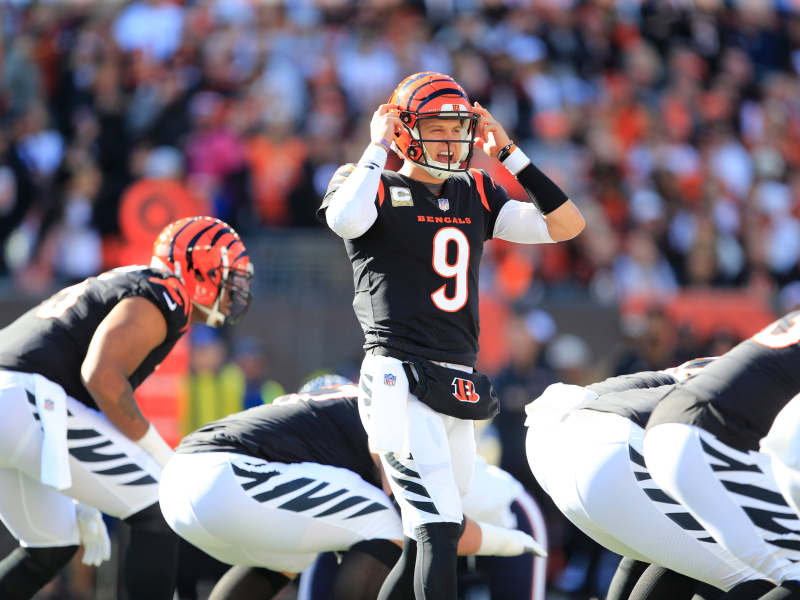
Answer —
382 550
151 520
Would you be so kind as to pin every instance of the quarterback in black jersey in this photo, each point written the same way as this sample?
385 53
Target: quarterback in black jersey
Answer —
415 239
70 427
702 448
268 488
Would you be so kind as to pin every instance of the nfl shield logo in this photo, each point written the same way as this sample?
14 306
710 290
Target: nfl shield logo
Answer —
48 404
389 379
444 204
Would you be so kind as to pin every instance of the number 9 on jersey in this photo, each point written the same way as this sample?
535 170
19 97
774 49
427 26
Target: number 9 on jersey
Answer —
459 269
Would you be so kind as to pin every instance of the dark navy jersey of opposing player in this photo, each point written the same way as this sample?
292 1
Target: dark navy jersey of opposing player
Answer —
416 269
320 427
737 397
53 338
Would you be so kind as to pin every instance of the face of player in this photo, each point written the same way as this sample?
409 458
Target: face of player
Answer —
225 302
441 129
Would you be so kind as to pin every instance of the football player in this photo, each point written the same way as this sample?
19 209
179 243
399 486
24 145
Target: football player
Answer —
69 423
415 240
269 488
584 447
702 448
495 498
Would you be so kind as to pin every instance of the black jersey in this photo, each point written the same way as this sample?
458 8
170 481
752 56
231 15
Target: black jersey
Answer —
636 396
322 427
737 397
416 268
53 338
631 396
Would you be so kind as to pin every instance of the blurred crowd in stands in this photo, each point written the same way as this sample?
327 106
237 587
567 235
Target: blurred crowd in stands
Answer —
674 125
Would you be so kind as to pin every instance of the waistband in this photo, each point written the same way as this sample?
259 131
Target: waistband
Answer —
402 356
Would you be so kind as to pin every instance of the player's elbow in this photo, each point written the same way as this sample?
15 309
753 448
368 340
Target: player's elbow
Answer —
569 230
565 222
101 380
345 227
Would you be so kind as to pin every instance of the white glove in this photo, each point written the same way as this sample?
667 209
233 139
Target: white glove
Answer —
94 535
499 541
531 545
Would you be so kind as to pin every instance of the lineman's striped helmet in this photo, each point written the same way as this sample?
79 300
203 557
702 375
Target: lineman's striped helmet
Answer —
208 256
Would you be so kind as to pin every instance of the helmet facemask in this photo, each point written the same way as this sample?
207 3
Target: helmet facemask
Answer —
459 150
234 287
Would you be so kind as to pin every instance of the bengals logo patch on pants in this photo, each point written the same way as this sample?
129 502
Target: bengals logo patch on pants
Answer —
427 381
464 390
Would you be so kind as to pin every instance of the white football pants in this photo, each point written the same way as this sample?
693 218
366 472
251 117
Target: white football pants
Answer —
490 500
109 471
247 511
433 471
591 464
733 494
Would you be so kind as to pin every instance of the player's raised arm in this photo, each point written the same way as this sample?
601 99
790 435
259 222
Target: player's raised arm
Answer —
351 210
517 221
133 329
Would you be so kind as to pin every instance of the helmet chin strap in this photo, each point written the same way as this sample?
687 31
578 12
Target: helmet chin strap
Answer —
216 318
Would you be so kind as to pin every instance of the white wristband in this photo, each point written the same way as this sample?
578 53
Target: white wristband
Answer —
374 156
155 446
516 161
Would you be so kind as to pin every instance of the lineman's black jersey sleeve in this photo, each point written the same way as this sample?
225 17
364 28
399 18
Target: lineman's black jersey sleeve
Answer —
631 396
635 404
169 295
738 396
645 379
53 338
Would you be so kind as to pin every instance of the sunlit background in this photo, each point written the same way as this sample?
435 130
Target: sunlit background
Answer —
673 125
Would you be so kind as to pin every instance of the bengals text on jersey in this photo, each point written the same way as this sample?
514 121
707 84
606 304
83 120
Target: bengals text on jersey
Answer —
416 269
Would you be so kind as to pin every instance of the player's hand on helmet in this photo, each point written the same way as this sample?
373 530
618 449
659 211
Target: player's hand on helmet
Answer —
385 123
489 134
94 535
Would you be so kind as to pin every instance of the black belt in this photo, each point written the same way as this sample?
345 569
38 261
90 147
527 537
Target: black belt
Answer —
390 352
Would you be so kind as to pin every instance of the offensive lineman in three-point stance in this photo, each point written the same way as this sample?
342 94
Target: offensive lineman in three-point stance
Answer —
70 427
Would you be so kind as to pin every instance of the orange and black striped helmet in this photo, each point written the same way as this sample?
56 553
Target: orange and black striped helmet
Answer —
434 96
208 256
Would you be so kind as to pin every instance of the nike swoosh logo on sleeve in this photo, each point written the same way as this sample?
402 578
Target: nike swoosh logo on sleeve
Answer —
172 305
